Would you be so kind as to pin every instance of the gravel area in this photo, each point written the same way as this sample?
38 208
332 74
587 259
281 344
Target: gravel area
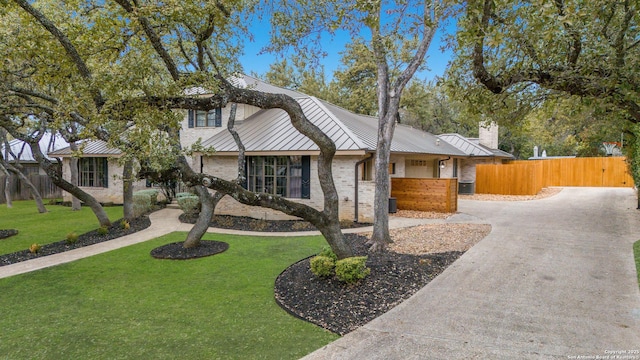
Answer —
437 238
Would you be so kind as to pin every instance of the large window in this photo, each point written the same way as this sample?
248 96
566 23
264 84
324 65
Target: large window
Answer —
92 172
199 118
287 176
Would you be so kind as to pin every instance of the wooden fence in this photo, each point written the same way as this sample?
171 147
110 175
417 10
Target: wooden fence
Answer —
20 191
439 195
528 177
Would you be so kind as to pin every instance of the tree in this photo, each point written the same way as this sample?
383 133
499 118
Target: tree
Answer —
399 35
587 49
122 68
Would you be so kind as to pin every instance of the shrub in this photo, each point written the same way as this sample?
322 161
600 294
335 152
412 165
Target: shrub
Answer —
326 251
322 266
34 248
126 225
103 230
141 203
72 238
190 204
152 193
353 269
183 194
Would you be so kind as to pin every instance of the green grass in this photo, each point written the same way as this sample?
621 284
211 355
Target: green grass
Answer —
46 228
126 305
636 254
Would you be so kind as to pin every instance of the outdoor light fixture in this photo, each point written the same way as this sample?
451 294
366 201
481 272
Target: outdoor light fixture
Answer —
442 165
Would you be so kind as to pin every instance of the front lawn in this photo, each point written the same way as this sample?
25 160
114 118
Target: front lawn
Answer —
124 304
46 228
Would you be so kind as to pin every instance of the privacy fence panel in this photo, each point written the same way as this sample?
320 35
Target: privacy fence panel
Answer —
20 191
527 177
438 195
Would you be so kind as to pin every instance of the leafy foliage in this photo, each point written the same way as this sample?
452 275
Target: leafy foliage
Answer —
322 266
352 269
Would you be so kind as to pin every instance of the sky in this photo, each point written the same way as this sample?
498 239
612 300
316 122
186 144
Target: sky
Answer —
436 59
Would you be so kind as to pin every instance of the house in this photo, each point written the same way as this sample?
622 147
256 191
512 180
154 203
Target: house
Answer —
282 161
481 150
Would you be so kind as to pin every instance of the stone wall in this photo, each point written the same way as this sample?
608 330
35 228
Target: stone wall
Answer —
112 193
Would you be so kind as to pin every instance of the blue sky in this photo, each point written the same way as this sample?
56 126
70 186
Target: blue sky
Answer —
437 59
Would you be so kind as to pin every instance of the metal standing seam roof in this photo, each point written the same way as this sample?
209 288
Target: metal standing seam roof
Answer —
91 148
405 138
471 148
271 130
21 149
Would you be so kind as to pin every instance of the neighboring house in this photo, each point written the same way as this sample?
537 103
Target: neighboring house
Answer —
482 150
282 161
23 152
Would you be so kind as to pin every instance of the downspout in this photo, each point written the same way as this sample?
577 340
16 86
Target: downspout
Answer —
355 197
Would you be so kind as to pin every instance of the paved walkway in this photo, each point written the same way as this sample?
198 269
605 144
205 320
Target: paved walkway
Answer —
163 222
555 278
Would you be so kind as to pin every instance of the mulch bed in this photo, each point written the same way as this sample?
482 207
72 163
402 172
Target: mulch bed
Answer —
251 224
90 238
342 308
175 251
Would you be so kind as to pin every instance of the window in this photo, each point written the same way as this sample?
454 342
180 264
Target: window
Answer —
200 118
92 172
286 176
392 169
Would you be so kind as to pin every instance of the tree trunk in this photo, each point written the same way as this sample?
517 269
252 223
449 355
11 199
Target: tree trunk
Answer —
7 184
127 190
380 237
75 202
34 191
201 226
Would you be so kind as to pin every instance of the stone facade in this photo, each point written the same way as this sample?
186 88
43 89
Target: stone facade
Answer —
110 194
344 177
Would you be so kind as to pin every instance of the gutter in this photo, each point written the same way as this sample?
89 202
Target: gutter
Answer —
355 197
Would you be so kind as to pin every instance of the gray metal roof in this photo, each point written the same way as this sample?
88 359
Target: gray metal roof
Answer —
23 151
247 82
472 147
90 148
271 130
405 139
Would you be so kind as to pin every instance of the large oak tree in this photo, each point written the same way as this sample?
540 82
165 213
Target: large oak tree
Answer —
119 70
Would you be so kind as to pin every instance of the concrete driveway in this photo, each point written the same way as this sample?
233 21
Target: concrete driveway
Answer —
555 278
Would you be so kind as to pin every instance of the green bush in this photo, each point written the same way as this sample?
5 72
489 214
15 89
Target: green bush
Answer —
353 269
72 238
103 230
183 194
189 204
126 225
141 204
152 193
326 251
322 266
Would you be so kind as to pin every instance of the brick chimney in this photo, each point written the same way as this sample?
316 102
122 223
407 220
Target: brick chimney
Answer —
489 134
